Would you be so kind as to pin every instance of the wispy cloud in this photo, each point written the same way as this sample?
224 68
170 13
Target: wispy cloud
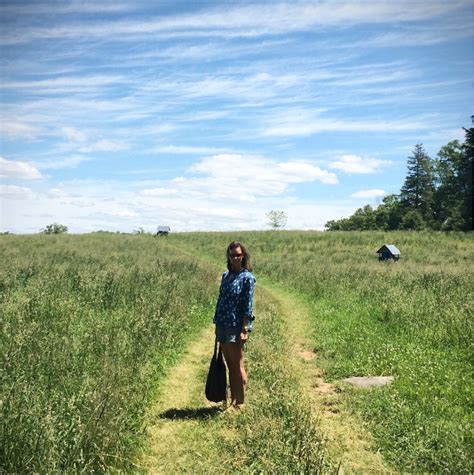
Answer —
64 162
65 83
105 146
305 123
241 178
185 150
73 6
367 194
357 164
18 170
14 192
17 129
73 134
249 20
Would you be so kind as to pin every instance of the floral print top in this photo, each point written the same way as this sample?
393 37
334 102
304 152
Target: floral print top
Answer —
235 299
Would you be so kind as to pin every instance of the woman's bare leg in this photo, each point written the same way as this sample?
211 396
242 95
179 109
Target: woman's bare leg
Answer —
234 357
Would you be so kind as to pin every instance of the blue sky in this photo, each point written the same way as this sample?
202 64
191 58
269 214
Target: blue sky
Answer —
207 115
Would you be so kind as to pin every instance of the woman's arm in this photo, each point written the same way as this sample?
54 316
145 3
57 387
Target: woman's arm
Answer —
247 300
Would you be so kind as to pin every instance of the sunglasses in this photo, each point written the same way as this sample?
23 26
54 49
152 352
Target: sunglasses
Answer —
236 255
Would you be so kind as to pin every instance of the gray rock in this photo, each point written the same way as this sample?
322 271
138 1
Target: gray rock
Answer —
368 381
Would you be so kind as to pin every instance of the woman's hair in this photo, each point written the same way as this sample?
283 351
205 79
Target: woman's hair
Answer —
246 259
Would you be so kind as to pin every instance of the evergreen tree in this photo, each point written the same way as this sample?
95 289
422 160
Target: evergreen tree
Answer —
467 179
417 191
435 195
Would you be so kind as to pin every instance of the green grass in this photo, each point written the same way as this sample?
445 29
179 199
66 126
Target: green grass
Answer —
411 319
90 323
277 432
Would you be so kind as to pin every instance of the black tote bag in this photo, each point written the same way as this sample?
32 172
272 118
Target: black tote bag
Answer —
216 383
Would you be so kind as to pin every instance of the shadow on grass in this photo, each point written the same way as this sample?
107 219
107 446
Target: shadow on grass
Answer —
194 413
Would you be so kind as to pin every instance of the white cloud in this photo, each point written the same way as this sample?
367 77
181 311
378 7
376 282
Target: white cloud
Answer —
265 173
357 164
64 8
65 83
15 129
123 213
18 170
73 134
247 20
67 162
302 126
159 192
105 146
241 178
13 192
185 150
368 194
416 37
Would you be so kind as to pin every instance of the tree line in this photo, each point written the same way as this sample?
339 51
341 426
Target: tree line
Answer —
436 194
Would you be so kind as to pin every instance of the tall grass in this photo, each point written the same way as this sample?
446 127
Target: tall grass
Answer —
411 319
89 325
277 432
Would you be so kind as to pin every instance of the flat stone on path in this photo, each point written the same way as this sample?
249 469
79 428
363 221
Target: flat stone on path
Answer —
368 381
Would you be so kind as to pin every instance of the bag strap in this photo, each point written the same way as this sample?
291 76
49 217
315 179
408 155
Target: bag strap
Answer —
215 347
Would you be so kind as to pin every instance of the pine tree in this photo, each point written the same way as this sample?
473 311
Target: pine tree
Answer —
467 179
417 191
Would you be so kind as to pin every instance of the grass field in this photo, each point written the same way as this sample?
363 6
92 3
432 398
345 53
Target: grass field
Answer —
90 324
411 319
93 322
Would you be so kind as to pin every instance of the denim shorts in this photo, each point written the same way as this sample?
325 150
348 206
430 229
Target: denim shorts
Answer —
227 335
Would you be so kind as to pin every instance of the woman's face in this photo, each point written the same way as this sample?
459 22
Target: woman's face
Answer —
236 256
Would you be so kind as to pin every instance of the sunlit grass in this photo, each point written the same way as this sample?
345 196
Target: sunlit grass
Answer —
411 319
90 323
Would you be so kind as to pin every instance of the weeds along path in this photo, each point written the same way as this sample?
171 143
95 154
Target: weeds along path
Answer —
347 442
293 421
276 432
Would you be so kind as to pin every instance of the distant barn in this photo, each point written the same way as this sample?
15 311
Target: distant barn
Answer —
388 251
162 230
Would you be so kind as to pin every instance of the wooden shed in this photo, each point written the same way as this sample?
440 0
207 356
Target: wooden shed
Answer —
388 251
162 230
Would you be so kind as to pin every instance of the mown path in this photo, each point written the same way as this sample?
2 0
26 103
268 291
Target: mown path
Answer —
293 421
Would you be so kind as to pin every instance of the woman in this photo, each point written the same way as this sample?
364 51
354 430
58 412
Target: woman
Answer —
234 317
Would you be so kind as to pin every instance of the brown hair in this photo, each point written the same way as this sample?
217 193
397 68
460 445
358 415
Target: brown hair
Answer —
246 259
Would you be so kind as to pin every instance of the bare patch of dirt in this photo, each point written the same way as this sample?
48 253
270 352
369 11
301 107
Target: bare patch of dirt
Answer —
307 355
321 387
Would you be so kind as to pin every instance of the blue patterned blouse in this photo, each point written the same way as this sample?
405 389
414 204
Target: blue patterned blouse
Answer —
235 299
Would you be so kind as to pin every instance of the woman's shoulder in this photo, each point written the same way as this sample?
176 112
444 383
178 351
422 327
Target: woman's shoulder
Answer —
247 275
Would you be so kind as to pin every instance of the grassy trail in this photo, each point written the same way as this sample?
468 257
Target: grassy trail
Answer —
181 423
347 441
293 421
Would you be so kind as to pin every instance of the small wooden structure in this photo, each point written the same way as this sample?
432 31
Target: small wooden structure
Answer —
162 230
388 251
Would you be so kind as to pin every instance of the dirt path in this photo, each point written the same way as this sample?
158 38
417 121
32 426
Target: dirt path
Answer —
186 432
347 441
179 422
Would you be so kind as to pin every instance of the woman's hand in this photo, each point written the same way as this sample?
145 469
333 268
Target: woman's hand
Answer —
244 336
